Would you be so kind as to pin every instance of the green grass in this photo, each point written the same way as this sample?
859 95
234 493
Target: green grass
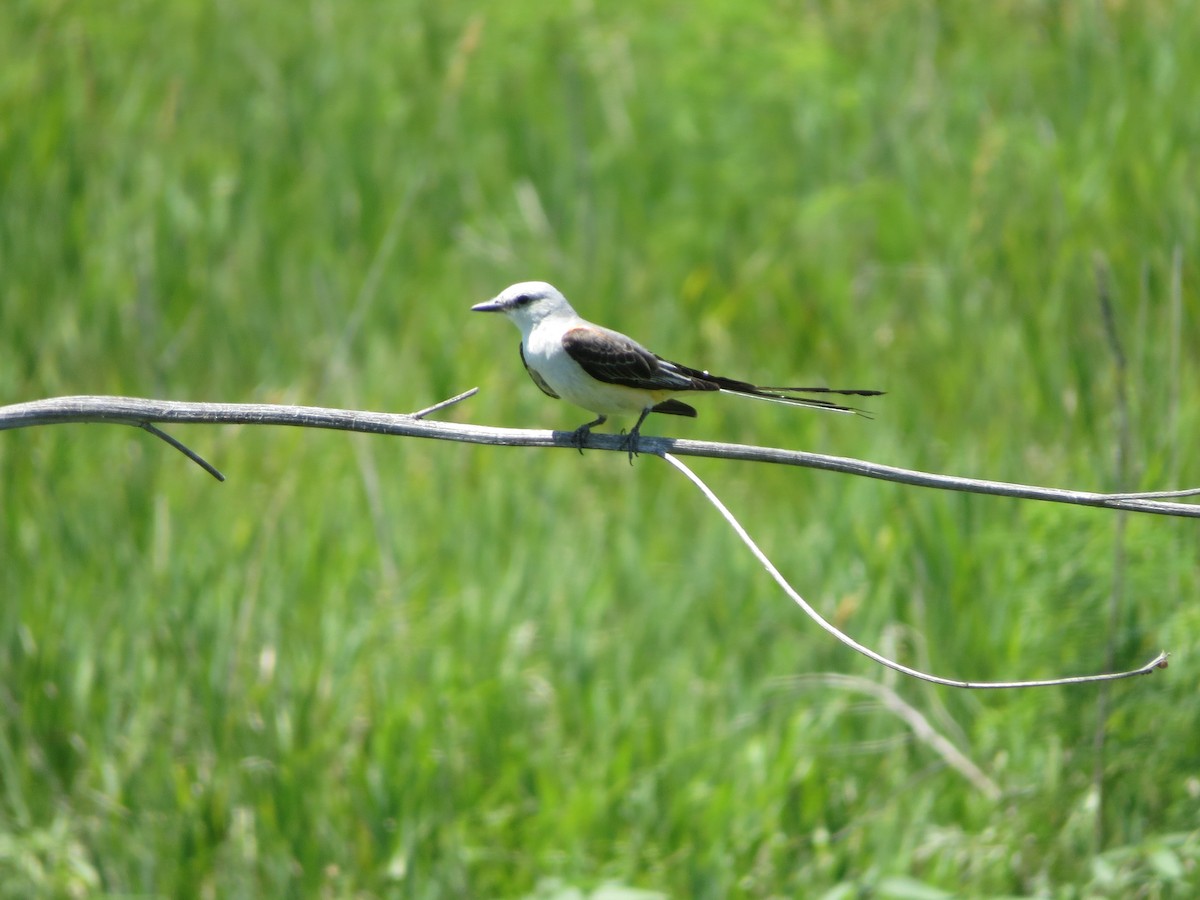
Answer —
383 668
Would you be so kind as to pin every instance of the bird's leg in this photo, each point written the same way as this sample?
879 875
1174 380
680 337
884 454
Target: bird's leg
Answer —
584 430
631 439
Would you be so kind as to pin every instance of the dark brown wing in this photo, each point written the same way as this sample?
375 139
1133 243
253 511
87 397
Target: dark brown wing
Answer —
613 358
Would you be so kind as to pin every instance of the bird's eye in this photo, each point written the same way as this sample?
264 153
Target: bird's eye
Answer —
523 300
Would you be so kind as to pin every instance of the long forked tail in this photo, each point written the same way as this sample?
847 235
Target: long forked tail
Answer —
789 396
706 381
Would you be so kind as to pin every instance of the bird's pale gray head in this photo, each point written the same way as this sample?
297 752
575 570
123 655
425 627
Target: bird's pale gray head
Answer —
527 303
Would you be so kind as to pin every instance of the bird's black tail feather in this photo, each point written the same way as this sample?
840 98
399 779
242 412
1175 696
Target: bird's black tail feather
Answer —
789 396
845 392
706 381
674 407
792 400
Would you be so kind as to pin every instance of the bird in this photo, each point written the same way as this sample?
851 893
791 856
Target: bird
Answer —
608 373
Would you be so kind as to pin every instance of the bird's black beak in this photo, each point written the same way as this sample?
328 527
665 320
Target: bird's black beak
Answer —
493 305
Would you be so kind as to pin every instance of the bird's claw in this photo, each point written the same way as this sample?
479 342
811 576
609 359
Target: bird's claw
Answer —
631 444
580 434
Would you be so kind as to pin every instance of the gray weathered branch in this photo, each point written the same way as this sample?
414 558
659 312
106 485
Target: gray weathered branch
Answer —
142 412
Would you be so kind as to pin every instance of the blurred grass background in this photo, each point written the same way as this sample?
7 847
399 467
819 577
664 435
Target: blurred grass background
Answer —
381 668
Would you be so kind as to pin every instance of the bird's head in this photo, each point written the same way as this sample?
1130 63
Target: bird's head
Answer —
528 303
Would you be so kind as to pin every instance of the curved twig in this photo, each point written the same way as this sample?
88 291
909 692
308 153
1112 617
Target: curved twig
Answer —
1159 662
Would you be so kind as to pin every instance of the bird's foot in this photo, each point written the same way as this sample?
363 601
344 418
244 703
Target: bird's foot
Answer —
631 439
580 434
631 443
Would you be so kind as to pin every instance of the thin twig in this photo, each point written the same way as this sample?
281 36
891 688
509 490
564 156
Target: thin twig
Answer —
1158 662
184 449
135 411
1154 495
459 398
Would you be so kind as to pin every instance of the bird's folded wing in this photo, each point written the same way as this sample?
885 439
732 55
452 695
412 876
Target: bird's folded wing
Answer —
613 358
533 373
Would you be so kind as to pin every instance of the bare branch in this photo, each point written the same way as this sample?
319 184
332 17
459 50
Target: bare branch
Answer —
1158 662
135 411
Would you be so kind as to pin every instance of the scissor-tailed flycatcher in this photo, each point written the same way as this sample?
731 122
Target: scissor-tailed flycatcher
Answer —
606 372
